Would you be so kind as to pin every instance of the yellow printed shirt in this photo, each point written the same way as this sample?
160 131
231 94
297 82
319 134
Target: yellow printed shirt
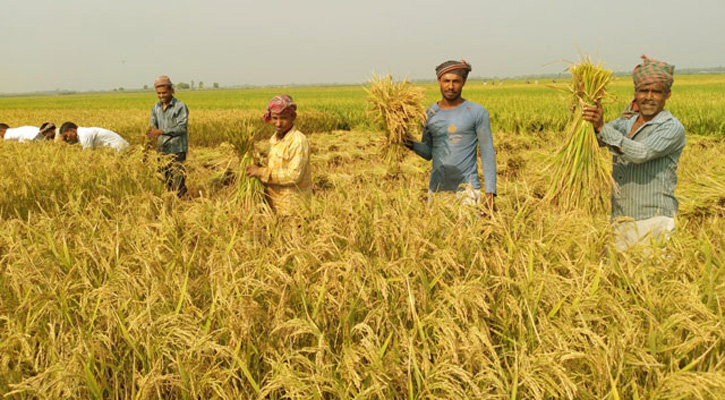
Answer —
287 178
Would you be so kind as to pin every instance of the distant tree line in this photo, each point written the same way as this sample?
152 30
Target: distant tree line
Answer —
184 85
195 85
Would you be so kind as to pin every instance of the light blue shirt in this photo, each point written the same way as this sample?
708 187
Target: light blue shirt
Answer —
450 139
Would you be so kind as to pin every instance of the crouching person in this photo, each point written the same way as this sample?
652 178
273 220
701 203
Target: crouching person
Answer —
28 133
287 177
90 138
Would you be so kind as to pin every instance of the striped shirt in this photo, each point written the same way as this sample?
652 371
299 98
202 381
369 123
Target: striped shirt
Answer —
173 123
644 165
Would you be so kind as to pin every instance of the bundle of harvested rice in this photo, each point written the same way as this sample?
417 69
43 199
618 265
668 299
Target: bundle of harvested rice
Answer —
398 107
702 195
579 172
249 190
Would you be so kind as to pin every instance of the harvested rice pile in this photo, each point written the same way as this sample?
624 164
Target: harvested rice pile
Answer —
249 190
398 108
579 172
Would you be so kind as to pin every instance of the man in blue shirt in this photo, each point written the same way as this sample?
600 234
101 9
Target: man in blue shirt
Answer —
168 129
455 129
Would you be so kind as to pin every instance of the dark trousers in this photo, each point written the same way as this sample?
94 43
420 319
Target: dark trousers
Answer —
175 174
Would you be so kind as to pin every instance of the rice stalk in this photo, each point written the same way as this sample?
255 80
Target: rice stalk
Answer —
579 172
249 190
398 108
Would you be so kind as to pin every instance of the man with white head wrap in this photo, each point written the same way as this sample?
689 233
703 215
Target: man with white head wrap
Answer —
168 130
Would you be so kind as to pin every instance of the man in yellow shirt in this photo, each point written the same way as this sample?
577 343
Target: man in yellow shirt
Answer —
287 178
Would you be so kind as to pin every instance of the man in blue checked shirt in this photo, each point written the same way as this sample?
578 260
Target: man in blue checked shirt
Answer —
455 130
646 142
168 129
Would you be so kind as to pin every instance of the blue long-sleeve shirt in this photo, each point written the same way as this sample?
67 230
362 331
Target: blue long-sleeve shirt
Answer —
450 139
644 165
173 123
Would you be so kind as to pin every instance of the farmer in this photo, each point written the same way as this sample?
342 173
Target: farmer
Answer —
28 133
90 138
455 128
646 143
287 177
167 128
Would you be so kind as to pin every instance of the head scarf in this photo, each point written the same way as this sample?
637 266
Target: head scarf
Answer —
650 71
278 105
162 80
461 68
47 126
653 71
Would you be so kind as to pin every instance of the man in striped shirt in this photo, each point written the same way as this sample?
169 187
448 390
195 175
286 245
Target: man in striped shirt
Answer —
646 142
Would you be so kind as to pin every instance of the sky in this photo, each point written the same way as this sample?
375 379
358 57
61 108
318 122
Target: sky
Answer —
100 45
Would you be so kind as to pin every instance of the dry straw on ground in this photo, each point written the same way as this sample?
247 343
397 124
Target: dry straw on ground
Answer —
579 171
398 107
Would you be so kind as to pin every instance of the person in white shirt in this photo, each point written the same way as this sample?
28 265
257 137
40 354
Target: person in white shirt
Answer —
28 133
90 138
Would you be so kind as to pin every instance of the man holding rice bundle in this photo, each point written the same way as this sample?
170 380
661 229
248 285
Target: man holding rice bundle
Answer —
647 142
453 132
287 178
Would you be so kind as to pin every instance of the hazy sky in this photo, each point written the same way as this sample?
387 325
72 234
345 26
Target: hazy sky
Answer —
100 44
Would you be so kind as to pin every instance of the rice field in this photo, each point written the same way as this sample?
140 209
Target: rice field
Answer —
111 288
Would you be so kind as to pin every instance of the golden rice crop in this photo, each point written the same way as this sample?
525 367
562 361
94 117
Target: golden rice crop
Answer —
579 174
701 190
113 288
398 107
